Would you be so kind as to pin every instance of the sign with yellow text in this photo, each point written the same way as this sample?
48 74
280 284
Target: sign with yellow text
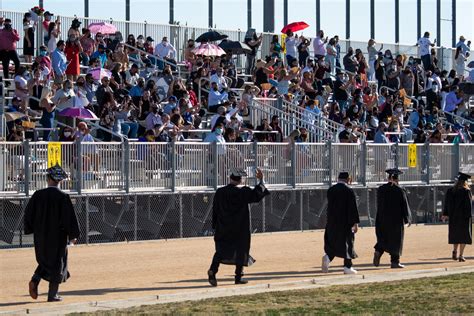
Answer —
412 156
54 154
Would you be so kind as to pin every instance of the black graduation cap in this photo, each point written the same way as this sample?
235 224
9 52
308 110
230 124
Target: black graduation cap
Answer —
463 176
394 172
343 175
237 173
56 173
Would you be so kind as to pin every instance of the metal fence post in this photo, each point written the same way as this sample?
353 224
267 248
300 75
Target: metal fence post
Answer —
293 165
255 152
263 215
27 154
397 152
126 165
301 210
427 162
180 215
135 219
173 166
456 158
79 166
87 220
329 160
363 163
215 160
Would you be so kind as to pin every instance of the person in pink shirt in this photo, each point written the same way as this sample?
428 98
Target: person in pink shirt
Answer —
319 45
8 39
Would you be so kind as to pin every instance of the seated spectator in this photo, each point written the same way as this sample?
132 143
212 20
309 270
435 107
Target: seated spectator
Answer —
215 97
219 78
170 105
64 97
380 137
100 55
217 135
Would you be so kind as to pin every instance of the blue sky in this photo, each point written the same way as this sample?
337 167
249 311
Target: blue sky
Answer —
232 14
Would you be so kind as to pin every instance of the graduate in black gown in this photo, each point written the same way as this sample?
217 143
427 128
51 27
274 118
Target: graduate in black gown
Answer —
342 224
458 210
50 216
393 212
231 222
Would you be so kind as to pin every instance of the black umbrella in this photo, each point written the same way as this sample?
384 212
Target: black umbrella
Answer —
236 48
210 36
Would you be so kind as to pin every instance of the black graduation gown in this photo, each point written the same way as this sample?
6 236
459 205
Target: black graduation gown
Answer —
393 212
231 221
342 214
50 216
458 206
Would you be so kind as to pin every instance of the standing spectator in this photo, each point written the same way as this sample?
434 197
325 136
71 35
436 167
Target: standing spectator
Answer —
189 56
88 46
340 91
338 50
73 50
48 113
424 43
291 43
275 47
465 48
59 62
319 45
8 39
35 88
74 29
46 21
407 81
253 42
350 63
331 54
53 35
342 224
372 51
460 62
166 52
22 76
29 37
453 99
303 52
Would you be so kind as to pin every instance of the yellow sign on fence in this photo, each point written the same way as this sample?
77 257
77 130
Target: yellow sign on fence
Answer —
54 154
412 156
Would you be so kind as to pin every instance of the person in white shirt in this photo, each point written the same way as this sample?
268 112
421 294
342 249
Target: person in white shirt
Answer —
319 45
165 51
425 50
215 98
465 48
291 43
216 136
219 78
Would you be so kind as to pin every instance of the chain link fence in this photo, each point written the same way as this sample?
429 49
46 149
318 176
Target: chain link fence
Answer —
131 217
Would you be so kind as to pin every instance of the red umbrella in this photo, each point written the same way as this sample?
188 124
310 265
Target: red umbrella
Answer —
295 27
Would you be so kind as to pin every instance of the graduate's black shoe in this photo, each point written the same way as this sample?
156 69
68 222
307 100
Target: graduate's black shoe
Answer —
55 298
33 288
212 278
396 265
462 259
455 256
239 280
377 256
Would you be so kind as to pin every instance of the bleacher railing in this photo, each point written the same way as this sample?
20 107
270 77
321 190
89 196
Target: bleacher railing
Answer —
185 166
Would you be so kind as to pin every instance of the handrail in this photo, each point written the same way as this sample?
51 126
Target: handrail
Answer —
394 90
458 119
200 87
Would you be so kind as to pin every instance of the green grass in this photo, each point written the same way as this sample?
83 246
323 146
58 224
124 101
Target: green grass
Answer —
441 295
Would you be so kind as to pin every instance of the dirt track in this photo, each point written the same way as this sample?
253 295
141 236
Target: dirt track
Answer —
125 270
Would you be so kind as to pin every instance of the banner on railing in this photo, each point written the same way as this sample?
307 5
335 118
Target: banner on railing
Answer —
54 154
412 156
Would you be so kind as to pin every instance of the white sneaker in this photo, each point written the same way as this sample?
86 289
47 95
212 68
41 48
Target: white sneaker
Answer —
350 270
325 264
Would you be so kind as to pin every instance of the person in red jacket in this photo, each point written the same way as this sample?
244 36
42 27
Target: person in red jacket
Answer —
8 39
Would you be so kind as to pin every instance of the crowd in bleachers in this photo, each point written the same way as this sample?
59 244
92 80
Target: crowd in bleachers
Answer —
130 87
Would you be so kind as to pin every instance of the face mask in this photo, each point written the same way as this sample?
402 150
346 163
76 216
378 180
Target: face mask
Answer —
43 53
82 132
165 43
399 110
349 130
218 131
355 109
67 134
140 41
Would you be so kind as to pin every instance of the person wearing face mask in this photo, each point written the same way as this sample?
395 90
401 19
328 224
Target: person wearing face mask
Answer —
165 51
45 24
380 137
189 56
8 39
216 136
88 46
345 135
29 37
215 98
44 63
22 77
67 135
81 93
73 50
100 54
63 98
59 62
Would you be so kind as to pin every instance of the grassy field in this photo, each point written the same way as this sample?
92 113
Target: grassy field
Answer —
441 295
